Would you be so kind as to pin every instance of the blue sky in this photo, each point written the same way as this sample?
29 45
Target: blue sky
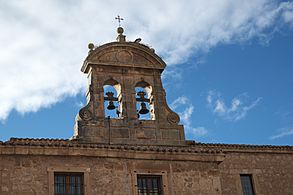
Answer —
229 73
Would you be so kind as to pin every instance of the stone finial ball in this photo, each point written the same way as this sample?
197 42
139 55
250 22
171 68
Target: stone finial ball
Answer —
120 30
91 46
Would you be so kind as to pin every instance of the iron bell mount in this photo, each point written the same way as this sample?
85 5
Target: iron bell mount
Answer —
142 99
110 97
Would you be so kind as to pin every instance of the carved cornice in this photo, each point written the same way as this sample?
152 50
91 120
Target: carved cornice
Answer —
208 148
249 148
126 54
55 147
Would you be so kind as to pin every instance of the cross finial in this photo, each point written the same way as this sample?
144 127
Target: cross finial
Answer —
119 19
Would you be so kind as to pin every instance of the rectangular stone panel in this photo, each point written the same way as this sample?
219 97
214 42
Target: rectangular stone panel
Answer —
93 131
145 134
170 134
120 133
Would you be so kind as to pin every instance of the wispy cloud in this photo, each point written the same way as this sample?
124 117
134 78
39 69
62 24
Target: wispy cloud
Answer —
237 110
182 100
172 74
42 49
197 131
284 115
287 13
282 133
184 104
79 104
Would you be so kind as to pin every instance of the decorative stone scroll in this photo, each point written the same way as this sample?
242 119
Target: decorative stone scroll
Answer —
85 114
173 118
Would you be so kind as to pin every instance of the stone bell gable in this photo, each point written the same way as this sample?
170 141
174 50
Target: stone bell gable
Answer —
125 66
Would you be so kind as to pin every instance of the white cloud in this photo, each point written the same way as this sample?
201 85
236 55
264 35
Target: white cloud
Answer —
172 74
79 104
185 104
198 131
182 100
236 111
282 133
236 103
287 12
220 107
43 43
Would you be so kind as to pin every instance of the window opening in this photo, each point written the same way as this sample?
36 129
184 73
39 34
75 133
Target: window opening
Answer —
68 184
144 102
149 185
112 101
246 183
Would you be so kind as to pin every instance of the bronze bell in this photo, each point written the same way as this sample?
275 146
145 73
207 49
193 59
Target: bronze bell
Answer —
111 105
143 108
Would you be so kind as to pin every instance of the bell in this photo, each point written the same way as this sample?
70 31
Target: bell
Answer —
143 108
111 105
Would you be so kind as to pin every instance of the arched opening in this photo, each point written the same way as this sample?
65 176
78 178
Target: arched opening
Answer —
144 101
112 99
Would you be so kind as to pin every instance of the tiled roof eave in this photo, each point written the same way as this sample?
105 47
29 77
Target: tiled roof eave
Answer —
194 148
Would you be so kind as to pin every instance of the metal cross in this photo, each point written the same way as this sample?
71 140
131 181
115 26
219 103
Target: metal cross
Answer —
119 19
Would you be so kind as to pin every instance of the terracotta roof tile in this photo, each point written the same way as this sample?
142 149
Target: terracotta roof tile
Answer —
195 148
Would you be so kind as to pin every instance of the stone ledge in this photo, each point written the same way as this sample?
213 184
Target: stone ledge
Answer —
64 143
213 148
248 148
115 152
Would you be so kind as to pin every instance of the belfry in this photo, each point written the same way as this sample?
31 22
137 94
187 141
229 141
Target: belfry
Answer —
142 115
127 141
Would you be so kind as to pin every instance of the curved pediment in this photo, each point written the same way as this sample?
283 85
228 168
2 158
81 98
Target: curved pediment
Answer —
126 54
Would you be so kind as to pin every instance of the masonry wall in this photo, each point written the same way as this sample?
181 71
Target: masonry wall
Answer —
28 175
272 172
26 170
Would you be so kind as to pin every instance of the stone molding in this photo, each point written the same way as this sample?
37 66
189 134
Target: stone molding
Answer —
127 54
207 146
114 153
196 152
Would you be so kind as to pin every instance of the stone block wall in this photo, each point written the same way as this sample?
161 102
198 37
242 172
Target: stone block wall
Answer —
272 172
27 168
28 174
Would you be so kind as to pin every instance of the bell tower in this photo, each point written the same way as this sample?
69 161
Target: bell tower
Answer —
125 77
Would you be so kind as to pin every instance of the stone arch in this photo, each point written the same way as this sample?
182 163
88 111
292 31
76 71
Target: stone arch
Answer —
144 100
112 98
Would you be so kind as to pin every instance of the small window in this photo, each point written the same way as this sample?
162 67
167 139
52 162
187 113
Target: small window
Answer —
246 183
68 184
149 185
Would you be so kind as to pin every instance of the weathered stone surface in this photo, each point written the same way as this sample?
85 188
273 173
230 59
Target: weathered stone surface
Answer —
125 66
272 173
26 166
112 152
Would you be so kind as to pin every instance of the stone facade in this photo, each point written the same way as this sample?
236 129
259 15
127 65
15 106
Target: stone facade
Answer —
27 167
112 153
271 170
